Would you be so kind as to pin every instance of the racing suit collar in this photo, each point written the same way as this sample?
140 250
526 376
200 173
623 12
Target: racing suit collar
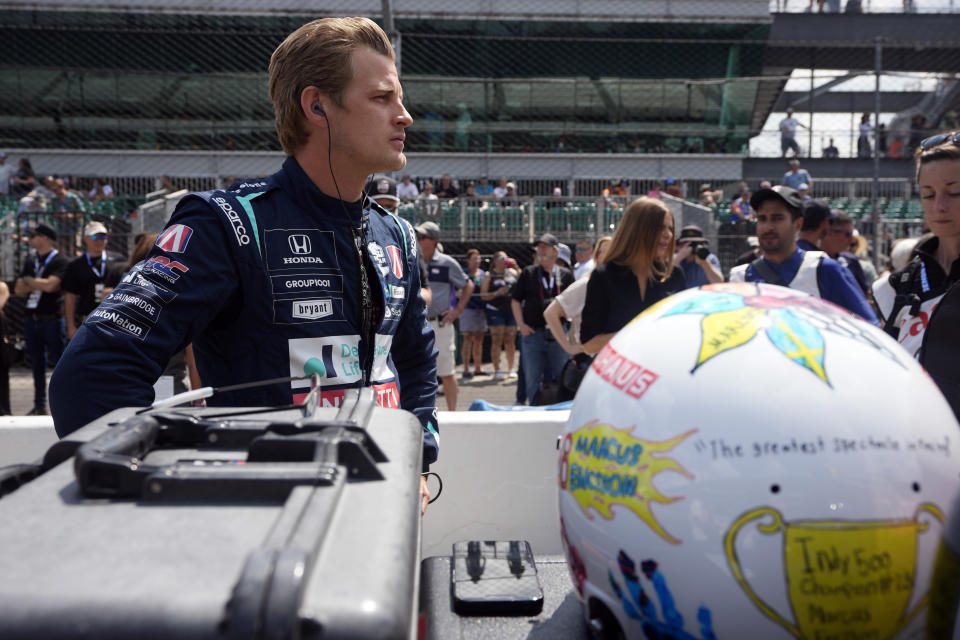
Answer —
295 181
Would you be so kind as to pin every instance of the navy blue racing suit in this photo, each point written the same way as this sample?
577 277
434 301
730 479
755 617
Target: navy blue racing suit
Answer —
264 281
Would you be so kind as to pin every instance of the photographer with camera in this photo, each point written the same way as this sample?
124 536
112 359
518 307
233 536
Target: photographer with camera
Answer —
694 257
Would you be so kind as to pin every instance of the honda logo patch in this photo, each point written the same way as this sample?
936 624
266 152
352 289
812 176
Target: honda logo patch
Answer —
299 244
175 238
396 260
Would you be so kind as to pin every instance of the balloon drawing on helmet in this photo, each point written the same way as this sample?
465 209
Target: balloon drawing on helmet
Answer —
735 313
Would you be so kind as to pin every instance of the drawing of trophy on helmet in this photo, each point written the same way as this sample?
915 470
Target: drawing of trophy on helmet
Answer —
841 574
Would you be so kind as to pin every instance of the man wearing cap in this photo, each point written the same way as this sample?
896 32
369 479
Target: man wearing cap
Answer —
383 190
693 255
836 244
537 286
43 323
788 133
779 218
89 279
445 276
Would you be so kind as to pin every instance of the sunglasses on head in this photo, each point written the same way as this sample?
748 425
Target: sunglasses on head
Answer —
940 138
98 236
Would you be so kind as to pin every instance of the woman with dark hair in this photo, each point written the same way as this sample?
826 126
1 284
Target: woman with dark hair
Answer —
920 303
473 321
638 272
495 291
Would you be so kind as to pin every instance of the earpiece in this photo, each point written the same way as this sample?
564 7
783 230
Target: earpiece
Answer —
317 109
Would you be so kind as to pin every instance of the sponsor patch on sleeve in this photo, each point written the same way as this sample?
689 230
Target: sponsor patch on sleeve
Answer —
175 238
117 321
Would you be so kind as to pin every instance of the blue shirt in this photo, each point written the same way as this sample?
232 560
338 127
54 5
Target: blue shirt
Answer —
794 180
694 272
835 281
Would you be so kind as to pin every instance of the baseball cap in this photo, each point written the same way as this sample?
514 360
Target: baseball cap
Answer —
786 195
382 187
563 253
512 185
44 230
803 186
429 229
691 233
94 227
548 238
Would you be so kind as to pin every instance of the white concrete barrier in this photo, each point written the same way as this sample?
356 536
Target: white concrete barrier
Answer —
499 472
25 438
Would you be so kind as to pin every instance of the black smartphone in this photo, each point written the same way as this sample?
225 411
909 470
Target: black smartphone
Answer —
495 578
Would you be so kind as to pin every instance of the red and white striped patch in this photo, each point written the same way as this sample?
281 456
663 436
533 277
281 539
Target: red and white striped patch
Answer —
396 260
175 238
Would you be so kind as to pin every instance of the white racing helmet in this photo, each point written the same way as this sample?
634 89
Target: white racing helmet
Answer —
747 461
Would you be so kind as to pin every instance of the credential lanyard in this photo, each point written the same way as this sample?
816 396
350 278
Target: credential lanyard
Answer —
38 268
546 286
103 264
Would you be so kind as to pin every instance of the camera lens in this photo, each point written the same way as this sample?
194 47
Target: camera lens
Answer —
702 251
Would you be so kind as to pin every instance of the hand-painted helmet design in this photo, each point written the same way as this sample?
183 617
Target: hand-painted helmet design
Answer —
747 461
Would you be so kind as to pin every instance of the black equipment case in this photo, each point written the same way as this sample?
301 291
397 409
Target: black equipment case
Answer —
215 523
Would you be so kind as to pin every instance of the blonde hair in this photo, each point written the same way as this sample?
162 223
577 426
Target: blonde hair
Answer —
599 245
318 54
635 240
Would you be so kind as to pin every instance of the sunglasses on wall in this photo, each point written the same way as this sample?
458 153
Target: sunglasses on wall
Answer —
933 141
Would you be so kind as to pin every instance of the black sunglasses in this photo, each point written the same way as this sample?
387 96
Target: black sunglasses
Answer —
940 138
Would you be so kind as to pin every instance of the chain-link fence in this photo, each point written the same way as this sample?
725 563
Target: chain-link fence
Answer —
677 77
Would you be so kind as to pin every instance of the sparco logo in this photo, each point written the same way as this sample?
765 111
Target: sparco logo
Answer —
238 229
299 244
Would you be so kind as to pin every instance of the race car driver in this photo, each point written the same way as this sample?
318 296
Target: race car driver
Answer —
295 274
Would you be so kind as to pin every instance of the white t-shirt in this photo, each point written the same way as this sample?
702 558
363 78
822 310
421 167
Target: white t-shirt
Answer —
572 301
407 191
500 192
788 126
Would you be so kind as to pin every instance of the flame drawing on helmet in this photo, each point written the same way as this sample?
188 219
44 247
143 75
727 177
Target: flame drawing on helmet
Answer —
603 467
733 315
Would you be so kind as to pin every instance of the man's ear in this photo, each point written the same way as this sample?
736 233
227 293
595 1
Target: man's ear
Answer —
310 97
